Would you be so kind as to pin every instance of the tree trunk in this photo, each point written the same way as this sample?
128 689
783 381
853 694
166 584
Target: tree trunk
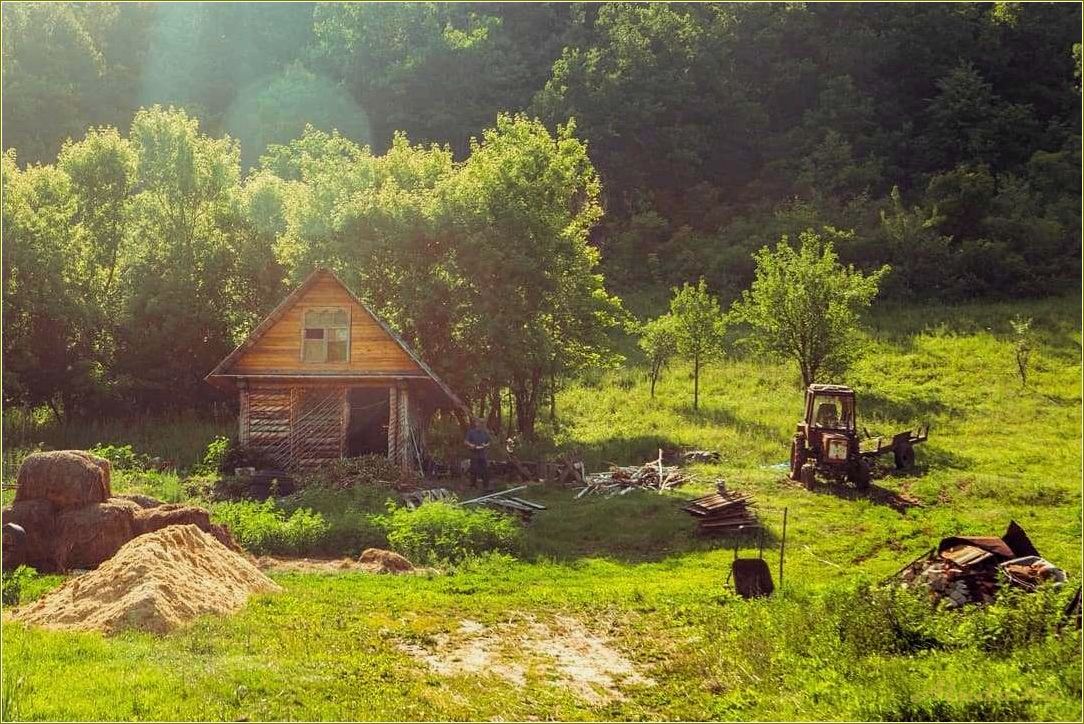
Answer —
654 379
553 398
696 382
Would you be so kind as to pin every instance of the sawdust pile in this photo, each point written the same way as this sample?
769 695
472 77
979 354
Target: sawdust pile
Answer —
156 582
377 560
562 651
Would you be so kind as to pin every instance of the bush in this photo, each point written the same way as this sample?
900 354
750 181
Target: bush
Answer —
349 514
14 582
121 457
436 532
262 528
224 455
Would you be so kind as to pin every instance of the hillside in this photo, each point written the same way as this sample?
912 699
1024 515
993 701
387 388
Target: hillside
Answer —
631 570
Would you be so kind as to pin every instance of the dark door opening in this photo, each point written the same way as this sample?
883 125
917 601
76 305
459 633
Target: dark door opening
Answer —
368 430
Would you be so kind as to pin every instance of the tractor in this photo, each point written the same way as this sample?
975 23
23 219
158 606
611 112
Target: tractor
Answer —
827 441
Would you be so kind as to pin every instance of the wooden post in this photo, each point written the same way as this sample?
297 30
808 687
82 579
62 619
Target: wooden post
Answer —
406 448
295 405
243 419
344 423
393 424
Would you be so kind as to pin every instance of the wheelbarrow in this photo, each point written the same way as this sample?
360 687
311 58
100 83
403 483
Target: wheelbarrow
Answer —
752 577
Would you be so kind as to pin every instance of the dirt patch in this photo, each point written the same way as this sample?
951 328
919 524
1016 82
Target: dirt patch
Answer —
563 651
306 565
156 582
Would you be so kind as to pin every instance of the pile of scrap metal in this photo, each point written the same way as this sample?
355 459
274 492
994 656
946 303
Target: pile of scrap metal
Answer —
501 501
723 511
620 479
970 569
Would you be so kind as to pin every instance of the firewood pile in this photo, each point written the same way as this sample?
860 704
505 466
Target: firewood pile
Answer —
723 511
620 479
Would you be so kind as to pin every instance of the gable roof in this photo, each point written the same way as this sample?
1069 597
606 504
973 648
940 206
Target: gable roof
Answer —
223 368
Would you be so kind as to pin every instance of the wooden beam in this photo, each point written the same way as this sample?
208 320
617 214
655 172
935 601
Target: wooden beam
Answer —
393 424
406 451
345 429
243 419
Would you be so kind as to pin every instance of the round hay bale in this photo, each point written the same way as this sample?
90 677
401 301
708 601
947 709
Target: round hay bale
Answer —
151 519
37 518
66 478
88 536
377 560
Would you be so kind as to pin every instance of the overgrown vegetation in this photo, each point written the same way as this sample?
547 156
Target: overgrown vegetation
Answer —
263 528
440 532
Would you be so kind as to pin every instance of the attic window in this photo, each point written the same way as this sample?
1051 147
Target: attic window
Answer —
326 336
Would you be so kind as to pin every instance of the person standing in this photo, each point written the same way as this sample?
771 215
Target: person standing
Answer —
478 440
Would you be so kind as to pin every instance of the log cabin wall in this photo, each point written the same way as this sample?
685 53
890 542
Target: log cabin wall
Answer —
297 427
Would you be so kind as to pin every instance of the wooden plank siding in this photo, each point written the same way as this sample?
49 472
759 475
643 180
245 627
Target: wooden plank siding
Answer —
278 350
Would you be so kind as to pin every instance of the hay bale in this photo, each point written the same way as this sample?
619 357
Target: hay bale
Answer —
377 560
66 478
36 517
143 501
88 536
152 519
155 583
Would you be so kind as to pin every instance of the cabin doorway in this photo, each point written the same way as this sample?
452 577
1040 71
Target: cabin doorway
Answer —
367 433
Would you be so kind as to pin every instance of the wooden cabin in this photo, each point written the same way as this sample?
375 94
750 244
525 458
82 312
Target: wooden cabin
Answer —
323 378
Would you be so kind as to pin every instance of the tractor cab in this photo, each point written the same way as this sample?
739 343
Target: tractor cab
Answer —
827 438
829 407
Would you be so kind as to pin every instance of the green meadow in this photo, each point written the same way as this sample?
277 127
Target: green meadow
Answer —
632 570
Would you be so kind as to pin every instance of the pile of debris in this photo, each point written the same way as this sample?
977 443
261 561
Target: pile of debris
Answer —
620 479
155 583
66 516
965 569
700 456
501 501
723 511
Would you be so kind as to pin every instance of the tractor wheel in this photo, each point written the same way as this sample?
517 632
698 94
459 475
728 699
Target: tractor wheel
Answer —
905 456
860 473
809 475
797 457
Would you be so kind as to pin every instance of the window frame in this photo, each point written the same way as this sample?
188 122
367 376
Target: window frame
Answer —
305 310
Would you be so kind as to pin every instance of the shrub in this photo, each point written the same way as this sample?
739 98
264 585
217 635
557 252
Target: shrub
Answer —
224 455
14 582
262 528
438 531
879 620
122 457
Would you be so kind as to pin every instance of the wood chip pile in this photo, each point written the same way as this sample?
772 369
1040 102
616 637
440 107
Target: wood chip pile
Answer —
723 511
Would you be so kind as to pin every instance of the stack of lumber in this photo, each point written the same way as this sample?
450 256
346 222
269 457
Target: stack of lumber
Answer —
503 502
723 511
620 479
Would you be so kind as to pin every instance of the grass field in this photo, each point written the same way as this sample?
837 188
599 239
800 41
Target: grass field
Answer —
631 571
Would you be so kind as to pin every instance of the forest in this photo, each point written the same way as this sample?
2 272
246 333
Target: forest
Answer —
508 184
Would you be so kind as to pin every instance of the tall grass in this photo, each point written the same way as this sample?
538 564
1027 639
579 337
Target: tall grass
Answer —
179 439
